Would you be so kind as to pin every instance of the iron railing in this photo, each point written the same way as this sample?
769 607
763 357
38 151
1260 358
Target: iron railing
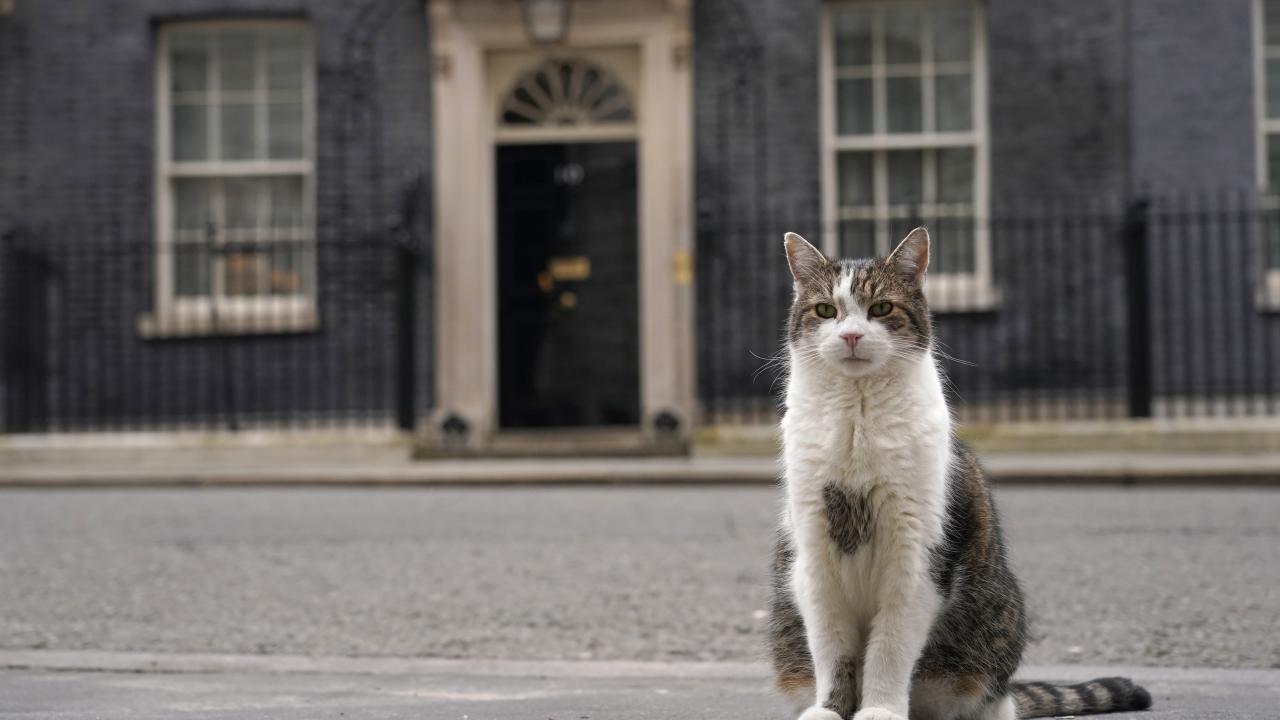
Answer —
115 334
1168 307
1164 307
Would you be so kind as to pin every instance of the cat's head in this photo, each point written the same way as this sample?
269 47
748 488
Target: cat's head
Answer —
859 317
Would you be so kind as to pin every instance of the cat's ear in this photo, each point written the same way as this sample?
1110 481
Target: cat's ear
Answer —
805 261
911 258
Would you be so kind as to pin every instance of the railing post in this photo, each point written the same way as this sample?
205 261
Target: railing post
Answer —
8 325
25 320
1137 271
406 370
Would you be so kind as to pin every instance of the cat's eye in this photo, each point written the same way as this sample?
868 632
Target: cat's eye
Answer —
825 310
880 309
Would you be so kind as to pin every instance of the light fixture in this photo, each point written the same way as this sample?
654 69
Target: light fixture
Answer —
546 21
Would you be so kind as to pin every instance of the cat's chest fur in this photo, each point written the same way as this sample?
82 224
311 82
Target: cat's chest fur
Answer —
866 461
874 431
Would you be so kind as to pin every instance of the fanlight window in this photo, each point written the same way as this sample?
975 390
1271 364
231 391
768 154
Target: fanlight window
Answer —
562 92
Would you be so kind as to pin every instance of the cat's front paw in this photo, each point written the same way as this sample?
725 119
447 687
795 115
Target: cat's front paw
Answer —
819 713
876 713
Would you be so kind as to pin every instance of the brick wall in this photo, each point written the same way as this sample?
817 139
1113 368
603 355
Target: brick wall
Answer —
77 141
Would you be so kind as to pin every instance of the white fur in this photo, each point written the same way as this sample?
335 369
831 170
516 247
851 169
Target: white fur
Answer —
881 428
1002 710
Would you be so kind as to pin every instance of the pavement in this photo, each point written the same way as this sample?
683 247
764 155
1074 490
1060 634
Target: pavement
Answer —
1216 451
139 687
566 602
394 468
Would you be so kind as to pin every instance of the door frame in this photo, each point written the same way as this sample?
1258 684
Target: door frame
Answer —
463 35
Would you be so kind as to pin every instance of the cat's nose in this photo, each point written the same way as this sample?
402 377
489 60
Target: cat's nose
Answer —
851 338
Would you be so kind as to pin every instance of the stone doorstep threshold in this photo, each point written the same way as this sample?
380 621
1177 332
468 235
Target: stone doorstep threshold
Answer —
154 662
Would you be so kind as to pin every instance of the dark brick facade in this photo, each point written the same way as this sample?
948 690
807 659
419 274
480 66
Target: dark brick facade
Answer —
1090 103
77 143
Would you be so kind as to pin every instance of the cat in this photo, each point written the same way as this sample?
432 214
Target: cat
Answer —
893 597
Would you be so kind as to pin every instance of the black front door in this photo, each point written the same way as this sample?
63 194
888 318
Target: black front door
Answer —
567 285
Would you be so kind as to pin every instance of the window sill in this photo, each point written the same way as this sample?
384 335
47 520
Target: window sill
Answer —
961 294
179 324
1269 295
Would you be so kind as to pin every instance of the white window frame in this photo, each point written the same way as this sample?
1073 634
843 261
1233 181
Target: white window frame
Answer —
1269 294
954 292
218 313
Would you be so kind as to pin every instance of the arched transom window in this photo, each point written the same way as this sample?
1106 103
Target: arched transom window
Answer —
566 92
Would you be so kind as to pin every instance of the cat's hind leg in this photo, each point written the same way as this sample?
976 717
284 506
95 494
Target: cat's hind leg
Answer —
788 644
953 697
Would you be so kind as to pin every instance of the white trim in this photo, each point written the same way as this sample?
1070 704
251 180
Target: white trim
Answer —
174 315
948 291
470 38
597 133
830 236
233 316
238 168
1269 295
904 141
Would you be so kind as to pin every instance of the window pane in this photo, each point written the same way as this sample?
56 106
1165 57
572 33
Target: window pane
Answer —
188 61
235 61
903 96
191 206
242 198
901 224
190 269
1273 88
1272 250
286 268
952 33
906 181
955 175
284 60
858 238
284 130
853 107
237 132
856 187
953 103
245 272
1273 163
286 202
953 245
190 132
853 36
1272 20
903 28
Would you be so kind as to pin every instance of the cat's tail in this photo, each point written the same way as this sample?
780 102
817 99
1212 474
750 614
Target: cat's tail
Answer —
1112 694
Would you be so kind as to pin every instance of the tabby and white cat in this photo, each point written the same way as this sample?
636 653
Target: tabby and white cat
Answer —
893 597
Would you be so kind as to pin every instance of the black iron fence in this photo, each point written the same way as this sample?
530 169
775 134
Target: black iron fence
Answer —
1162 308
1064 311
104 333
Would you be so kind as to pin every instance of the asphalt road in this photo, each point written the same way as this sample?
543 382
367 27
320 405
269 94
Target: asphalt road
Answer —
601 691
1175 577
